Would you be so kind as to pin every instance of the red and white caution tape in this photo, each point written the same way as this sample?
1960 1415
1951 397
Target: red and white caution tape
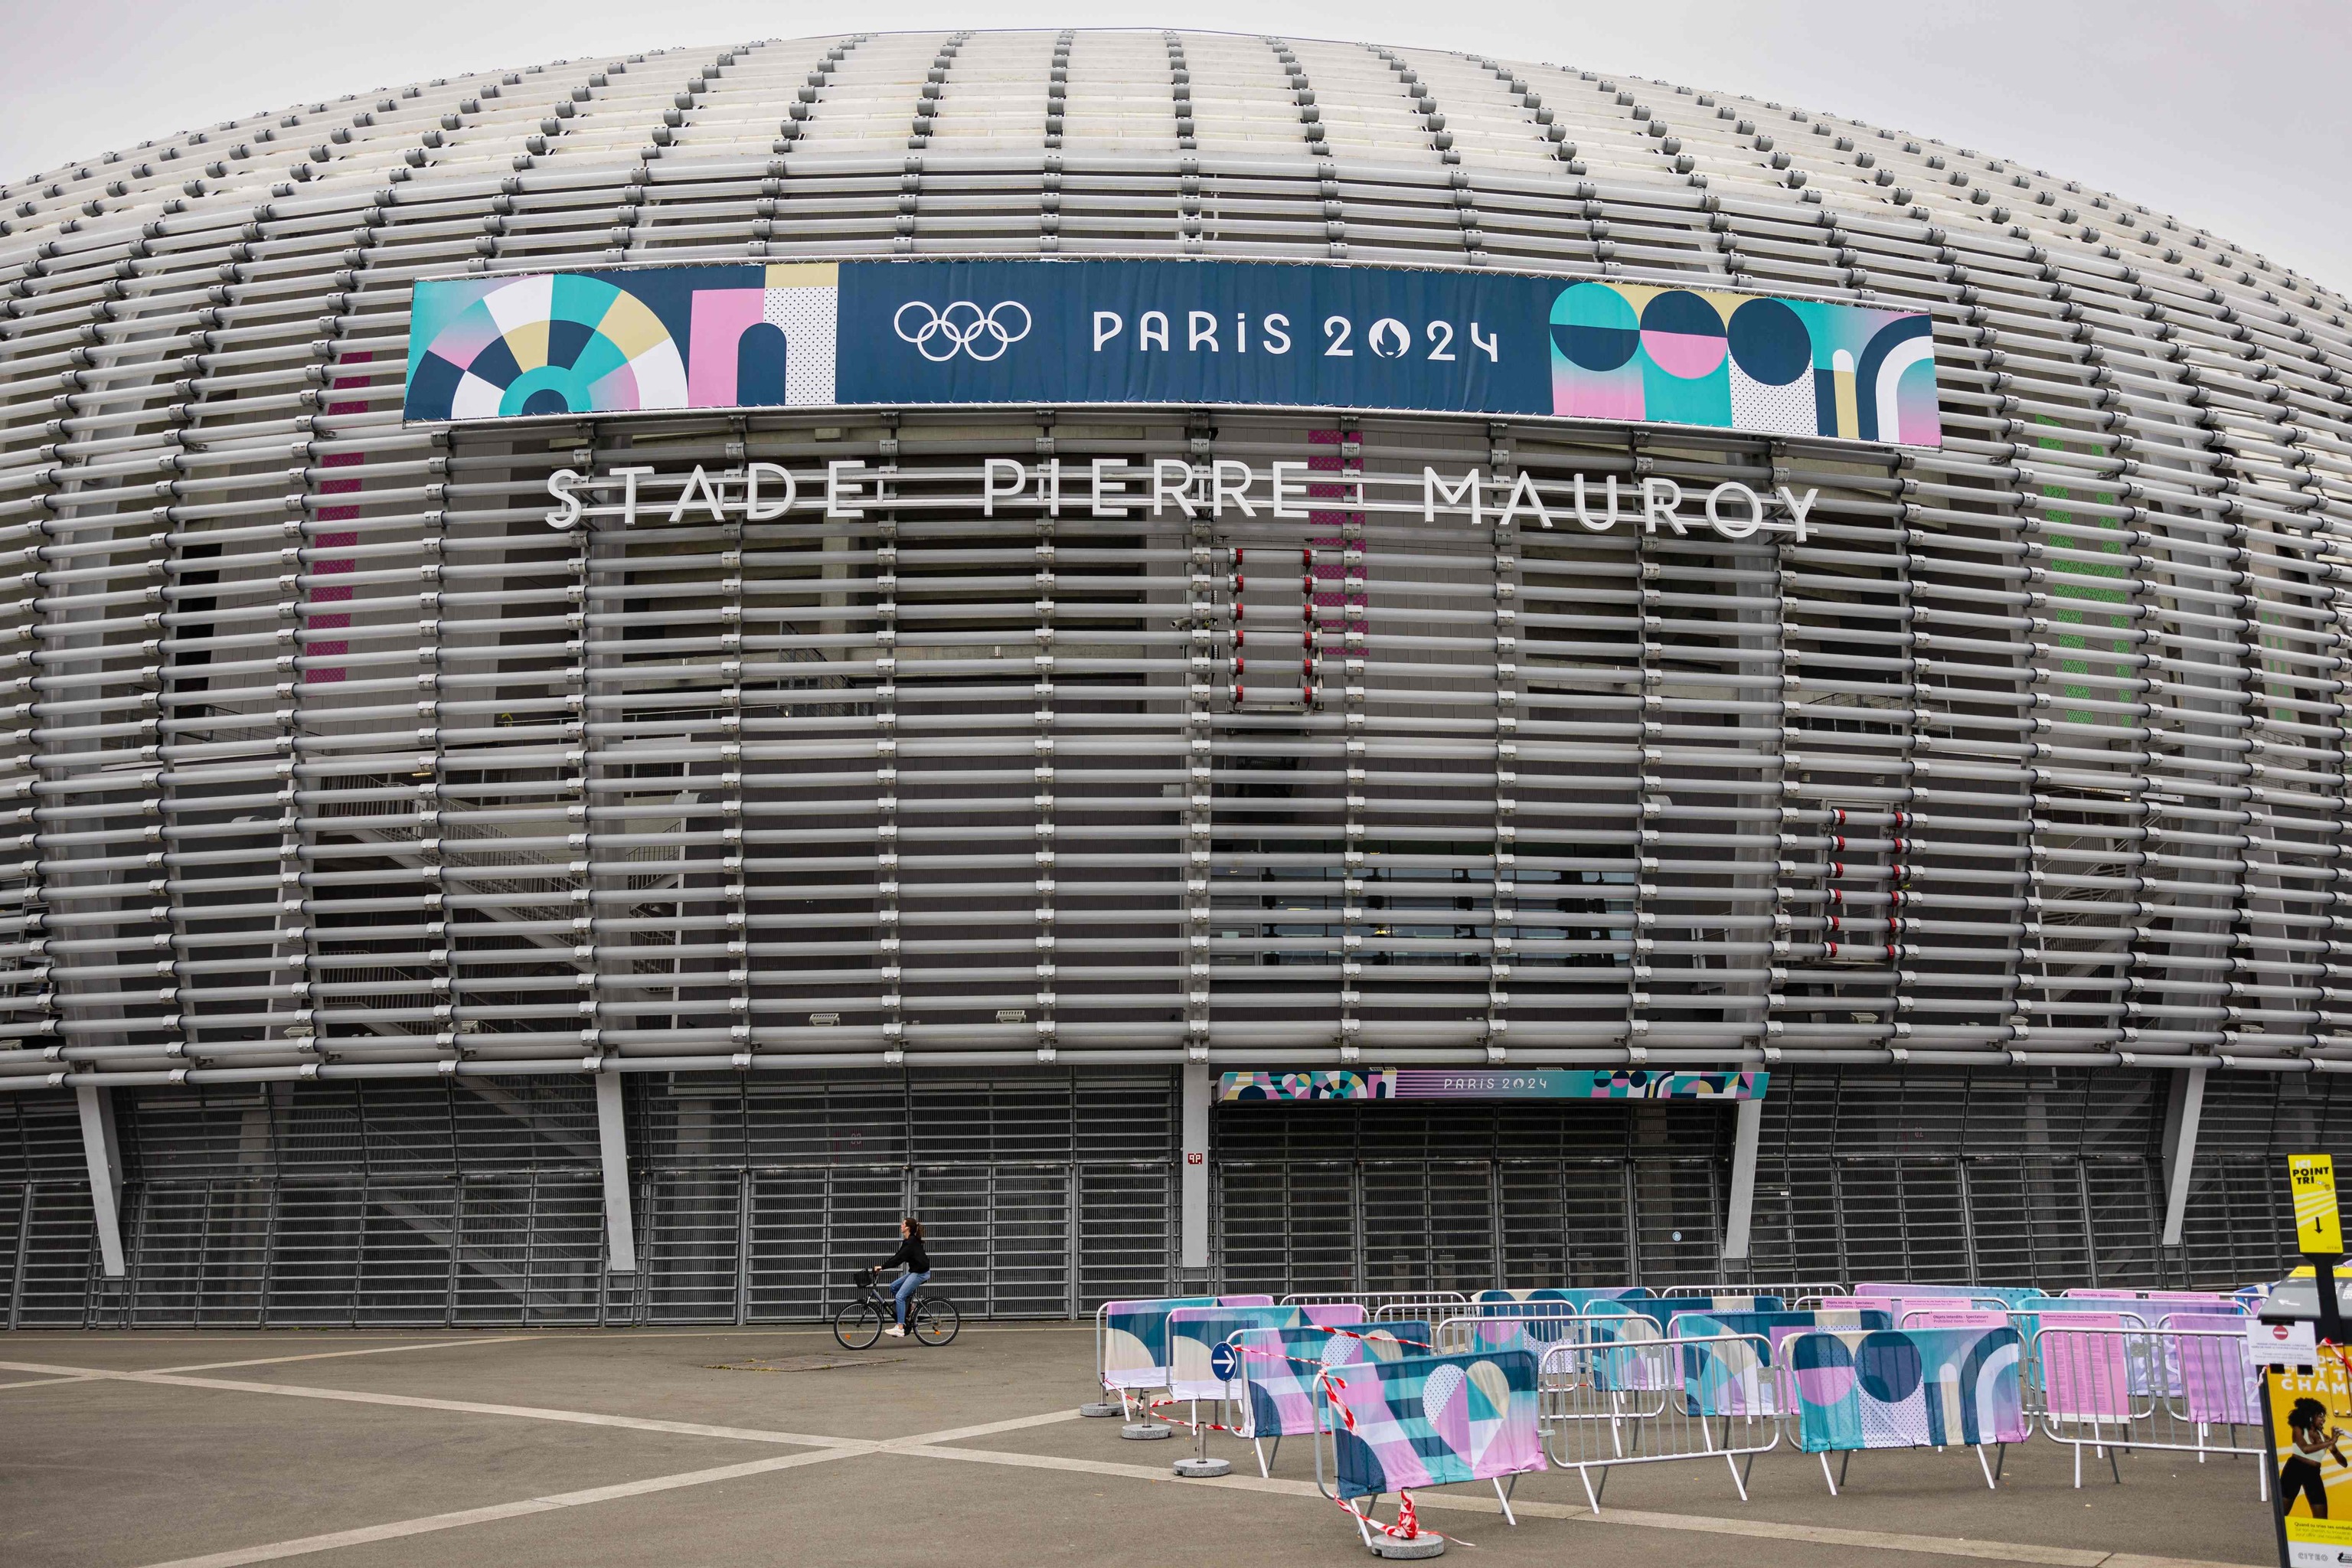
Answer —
1408 1524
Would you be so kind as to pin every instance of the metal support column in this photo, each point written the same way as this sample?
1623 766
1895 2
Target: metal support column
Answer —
105 1158
1746 1130
620 1226
2181 1114
1192 1257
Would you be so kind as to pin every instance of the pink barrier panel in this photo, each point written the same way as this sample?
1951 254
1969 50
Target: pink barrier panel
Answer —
2217 1379
2085 1377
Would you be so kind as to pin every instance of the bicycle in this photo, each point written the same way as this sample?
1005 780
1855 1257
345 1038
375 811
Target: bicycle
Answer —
931 1319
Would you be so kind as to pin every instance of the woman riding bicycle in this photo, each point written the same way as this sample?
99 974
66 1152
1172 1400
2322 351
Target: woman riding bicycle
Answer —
918 1260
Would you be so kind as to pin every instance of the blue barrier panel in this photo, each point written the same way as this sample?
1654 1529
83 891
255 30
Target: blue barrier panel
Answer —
1907 1389
1133 1337
1195 1332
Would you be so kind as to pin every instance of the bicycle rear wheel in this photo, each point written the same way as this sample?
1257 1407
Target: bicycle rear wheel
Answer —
858 1325
934 1320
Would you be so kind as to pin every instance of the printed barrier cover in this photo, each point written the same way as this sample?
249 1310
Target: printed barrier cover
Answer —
1057 332
1279 1367
1135 1336
2015 1295
1906 1388
1195 1332
1425 1421
1725 1375
2199 1360
1560 1298
1484 1083
1727 1303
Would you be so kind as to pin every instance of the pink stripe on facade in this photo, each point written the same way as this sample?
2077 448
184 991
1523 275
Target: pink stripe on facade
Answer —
1352 607
314 623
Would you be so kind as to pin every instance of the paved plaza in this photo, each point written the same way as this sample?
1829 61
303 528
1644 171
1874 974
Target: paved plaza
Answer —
712 1449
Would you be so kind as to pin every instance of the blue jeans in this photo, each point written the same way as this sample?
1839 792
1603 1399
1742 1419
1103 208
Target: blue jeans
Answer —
905 1289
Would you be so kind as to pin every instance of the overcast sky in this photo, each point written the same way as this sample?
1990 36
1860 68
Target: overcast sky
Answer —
2236 117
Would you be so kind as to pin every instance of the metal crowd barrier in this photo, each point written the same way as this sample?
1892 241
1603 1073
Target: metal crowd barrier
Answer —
1810 1290
1384 1305
1616 1391
2192 1391
1485 1329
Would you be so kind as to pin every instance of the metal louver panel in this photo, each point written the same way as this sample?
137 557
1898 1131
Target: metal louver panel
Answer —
809 1227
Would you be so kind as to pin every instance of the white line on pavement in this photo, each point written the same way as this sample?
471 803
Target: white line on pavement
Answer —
457 1407
365 1534
44 1382
331 1355
301 1546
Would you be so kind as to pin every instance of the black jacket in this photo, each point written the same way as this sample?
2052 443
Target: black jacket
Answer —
911 1253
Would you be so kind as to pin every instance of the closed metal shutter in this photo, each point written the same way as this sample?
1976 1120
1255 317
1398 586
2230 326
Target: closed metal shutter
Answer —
530 1248
1998 1177
44 1217
999 1237
54 1283
2003 1177
689 1246
1126 1225
1403 1198
809 1227
12 1242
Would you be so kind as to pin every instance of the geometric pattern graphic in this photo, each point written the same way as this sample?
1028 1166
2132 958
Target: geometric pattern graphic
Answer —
1430 1420
551 344
1135 1336
1723 1373
1279 1367
622 341
1740 362
1195 1332
1906 1388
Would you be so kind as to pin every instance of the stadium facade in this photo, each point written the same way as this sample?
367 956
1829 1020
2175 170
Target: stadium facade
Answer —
413 911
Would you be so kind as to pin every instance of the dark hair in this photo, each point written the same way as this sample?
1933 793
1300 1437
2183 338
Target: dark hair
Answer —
914 1227
2301 1413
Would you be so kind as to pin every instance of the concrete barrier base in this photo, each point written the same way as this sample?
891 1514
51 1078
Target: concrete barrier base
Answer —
1421 1545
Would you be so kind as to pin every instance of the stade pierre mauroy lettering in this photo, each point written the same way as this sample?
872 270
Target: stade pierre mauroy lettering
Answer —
1116 487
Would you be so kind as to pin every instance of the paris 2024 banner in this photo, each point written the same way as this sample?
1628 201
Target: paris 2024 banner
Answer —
1219 334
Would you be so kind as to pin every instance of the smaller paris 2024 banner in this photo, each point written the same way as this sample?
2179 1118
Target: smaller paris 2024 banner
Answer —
1200 334
1488 1083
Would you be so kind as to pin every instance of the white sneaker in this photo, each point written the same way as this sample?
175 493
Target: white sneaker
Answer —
896 1332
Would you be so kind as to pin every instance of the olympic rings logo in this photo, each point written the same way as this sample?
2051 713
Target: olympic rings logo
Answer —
962 328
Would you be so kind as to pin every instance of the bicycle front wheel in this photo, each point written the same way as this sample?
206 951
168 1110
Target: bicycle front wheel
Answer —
934 1321
858 1326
